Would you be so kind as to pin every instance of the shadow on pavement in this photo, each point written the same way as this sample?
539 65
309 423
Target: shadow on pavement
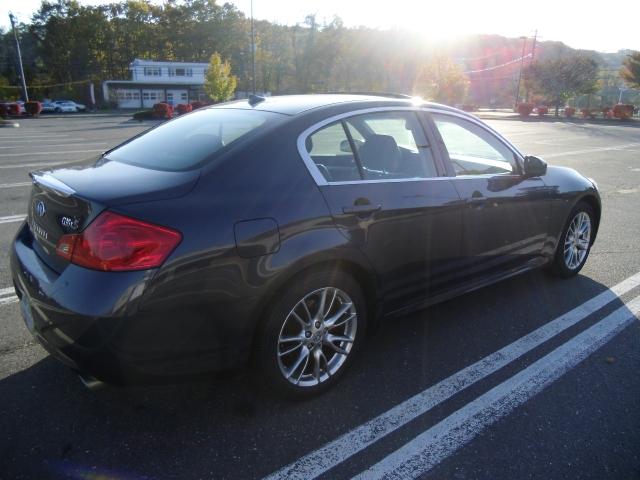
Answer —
53 427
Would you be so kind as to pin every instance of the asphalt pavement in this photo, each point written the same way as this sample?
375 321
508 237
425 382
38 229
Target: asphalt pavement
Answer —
533 377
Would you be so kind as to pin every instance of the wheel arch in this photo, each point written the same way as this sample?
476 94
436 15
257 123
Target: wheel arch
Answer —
361 274
595 204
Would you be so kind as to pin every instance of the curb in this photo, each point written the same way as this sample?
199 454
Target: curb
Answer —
8 124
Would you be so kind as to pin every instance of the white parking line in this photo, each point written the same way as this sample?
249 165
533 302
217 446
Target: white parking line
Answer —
44 135
319 461
17 184
591 150
12 218
38 164
49 153
48 145
7 296
8 300
432 446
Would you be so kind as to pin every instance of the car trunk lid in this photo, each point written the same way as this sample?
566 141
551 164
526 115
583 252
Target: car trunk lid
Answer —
67 200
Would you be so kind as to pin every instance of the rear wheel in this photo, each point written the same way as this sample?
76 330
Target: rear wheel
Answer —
312 334
575 243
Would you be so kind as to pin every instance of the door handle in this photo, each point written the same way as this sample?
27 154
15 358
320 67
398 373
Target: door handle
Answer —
360 209
477 200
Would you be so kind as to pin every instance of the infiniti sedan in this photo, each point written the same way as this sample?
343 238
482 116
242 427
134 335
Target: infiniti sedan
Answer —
279 231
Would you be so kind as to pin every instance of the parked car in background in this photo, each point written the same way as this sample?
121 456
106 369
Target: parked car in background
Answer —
276 231
48 106
62 106
79 106
20 104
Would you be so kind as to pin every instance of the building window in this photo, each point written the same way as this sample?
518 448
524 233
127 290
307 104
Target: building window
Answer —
181 72
152 71
183 96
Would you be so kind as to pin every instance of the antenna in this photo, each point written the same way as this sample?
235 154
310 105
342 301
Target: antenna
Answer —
255 99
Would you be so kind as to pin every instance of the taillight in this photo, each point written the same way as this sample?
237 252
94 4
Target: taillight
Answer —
113 242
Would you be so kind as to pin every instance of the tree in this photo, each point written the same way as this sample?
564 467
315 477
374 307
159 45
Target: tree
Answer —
443 81
219 83
630 71
562 77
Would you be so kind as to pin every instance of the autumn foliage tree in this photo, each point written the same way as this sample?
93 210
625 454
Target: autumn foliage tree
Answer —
219 83
630 71
443 81
560 78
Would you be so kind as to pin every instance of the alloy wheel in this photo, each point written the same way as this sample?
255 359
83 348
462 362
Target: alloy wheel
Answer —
316 337
577 240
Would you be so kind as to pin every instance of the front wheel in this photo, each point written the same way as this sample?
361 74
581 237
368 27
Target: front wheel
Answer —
311 334
575 242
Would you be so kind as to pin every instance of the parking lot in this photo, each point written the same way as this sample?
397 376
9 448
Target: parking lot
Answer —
534 377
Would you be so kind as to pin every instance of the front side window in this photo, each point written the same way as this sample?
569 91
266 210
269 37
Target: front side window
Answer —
388 146
472 149
191 140
391 145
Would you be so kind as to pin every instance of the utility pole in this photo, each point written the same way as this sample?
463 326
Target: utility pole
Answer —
533 55
15 36
524 44
253 54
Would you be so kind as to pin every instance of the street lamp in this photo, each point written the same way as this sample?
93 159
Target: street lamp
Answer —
15 36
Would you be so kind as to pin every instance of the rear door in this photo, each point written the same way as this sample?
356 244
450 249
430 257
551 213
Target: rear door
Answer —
389 195
506 213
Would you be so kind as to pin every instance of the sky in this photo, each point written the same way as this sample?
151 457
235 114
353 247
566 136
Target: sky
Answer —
602 26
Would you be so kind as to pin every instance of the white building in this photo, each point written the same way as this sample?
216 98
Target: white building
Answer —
152 82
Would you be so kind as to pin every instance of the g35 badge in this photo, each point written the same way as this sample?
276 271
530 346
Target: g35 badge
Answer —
69 223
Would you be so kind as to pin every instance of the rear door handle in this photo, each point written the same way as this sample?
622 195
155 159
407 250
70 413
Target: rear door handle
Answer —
360 209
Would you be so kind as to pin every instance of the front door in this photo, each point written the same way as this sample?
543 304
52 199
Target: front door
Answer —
175 96
389 197
506 214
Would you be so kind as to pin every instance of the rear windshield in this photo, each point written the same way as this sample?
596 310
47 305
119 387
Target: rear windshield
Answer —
188 141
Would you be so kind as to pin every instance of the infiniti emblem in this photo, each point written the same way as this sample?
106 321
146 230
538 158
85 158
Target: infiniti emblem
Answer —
40 208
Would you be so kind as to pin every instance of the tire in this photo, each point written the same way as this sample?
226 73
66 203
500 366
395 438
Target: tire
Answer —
58 110
569 264
299 359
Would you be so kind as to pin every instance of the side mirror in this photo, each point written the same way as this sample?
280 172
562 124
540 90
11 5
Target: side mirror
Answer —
534 166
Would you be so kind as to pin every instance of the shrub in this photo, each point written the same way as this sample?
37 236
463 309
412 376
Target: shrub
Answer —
33 108
623 111
525 109
13 109
183 108
588 113
145 115
607 112
197 104
163 110
542 110
569 112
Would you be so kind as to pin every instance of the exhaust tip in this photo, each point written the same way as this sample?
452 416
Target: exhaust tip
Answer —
92 383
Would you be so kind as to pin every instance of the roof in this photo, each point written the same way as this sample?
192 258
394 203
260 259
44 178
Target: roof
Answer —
295 104
139 62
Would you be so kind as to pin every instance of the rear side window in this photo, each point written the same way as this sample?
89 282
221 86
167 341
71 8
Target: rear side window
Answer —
331 152
188 142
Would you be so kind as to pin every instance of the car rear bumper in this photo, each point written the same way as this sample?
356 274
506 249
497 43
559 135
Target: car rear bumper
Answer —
93 322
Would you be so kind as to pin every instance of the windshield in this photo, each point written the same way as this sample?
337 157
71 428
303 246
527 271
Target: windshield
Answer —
187 142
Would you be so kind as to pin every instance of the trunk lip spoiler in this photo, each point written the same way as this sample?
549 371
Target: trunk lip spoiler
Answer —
49 181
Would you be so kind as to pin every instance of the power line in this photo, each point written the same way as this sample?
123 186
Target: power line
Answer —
511 62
